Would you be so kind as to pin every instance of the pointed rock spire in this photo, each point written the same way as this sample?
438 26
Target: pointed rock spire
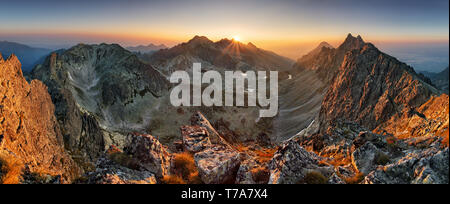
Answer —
351 43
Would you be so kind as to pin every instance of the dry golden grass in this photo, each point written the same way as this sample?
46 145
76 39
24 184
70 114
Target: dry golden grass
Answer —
183 168
315 177
445 141
172 179
357 178
263 155
336 159
260 174
12 169
391 140
241 148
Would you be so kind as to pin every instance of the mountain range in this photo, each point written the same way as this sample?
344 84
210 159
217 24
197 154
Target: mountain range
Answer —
439 79
350 114
28 56
146 48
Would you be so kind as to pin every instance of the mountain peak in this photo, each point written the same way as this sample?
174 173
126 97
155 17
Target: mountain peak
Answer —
199 39
15 63
324 44
251 45
352 42
313 53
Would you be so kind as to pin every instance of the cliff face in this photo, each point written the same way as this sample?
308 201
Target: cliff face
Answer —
28 129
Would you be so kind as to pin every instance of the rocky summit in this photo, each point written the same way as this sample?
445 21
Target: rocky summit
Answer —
31 143
349 114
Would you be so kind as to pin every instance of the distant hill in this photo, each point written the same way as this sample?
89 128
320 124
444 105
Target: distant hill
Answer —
146 48
28 56
440 80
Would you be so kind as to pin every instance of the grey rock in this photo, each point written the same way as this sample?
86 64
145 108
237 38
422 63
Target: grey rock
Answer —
150 153
363 158
108 172
291 163
195 138
429 166
251 172
217 165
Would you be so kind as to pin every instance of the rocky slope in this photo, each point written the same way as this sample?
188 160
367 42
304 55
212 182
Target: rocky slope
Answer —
371 87
97 88
29 133
372 91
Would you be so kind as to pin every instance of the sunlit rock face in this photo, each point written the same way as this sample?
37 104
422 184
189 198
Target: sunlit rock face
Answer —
371 91
371 87
29 131
429 120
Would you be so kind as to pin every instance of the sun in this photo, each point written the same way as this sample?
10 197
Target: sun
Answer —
237 38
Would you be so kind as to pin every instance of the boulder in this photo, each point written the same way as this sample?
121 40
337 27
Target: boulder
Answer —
217 165
363 158
215 138
422 166
291 163
151 155
195 138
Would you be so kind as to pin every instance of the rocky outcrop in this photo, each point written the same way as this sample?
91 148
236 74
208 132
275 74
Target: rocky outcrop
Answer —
109 172
195 138
429 120
363 158
251 171
215 138
149 153
29 130
420 167
218 165
292 164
